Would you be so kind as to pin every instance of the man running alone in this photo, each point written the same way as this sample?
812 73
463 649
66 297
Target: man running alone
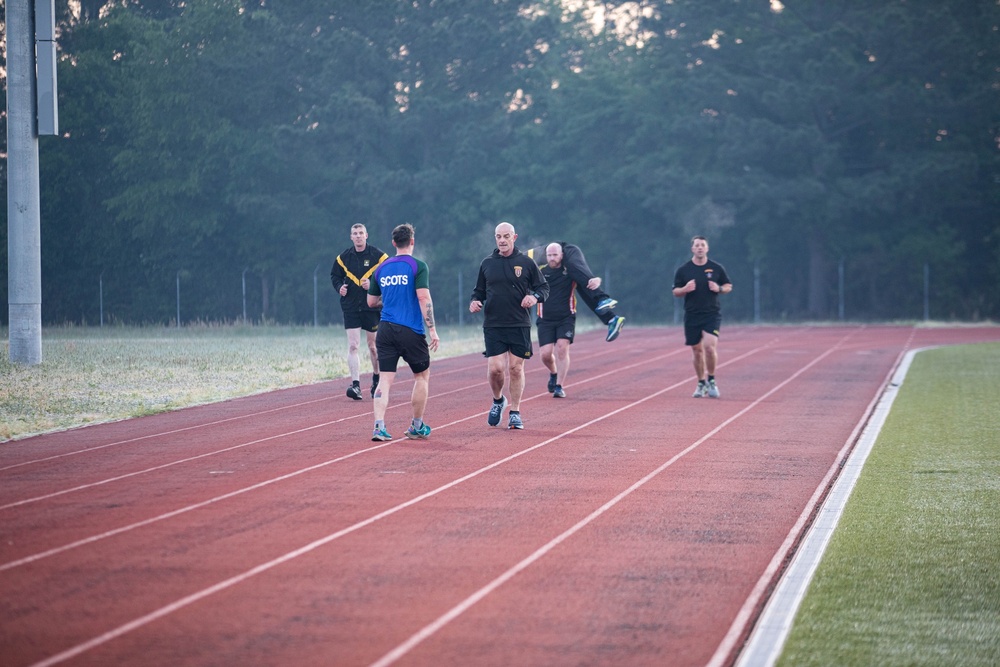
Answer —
700 281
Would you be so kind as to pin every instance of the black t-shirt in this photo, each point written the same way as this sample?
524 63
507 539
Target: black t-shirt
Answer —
702 300
561 302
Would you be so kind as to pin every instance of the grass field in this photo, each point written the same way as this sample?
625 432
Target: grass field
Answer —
912 573
90 375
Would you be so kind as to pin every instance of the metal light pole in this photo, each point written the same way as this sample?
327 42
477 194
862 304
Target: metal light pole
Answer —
24 237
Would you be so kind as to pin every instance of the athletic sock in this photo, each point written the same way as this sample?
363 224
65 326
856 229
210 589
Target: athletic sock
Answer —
356 383
711 378
498 401
380 424
416 423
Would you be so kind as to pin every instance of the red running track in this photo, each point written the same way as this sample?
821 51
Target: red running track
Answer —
628 524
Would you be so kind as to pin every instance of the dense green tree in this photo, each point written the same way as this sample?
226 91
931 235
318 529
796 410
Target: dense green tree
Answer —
206 141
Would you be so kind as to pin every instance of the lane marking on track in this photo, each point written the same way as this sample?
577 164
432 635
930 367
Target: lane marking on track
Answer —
242 416
232 419
767 639
456 611
398 406
312 546
183 510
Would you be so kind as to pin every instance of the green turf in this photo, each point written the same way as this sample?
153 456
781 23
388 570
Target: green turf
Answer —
912 574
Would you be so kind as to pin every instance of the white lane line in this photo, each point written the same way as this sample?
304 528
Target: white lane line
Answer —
168 515
772 628
264 567
218 421
456 611
157 435
169 464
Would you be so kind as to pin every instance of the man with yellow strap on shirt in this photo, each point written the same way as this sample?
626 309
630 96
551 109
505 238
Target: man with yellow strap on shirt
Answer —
351 276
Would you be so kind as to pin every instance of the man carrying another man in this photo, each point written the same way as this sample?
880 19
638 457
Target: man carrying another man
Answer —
556 319
588 286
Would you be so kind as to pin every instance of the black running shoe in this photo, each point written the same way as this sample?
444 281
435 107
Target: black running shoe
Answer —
552 382
354 391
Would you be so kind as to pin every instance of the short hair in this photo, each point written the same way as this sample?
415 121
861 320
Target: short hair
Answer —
698 237
358 224
402 235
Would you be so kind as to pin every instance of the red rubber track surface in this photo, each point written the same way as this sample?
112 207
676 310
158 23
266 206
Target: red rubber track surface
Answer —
628 524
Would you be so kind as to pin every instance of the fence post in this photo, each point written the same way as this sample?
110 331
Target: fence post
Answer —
244 280
840 288
461 311
927 291
178 299
756 291
315 297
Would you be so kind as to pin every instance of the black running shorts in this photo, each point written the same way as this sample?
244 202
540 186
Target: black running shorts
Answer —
362 319
516 340
694 325
394 341
550 332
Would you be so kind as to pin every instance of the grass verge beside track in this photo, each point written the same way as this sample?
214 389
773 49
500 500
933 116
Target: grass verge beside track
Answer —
910 576
90 375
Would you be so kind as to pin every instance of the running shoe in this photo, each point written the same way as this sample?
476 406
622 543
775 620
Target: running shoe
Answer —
559 393
615 327
380 434
604 305
552 382
354 391
702 389
713 391
418 433
496 411
514 421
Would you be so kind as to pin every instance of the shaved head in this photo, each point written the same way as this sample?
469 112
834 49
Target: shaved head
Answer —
553 255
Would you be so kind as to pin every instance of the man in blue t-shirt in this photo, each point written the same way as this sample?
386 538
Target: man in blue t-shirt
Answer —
400 287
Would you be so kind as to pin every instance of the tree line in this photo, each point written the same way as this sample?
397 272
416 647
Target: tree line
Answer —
833 153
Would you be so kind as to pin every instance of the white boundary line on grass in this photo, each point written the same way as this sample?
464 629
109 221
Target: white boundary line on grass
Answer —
767 640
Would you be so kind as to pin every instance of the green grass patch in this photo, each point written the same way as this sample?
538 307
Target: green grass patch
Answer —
912 573
90 375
